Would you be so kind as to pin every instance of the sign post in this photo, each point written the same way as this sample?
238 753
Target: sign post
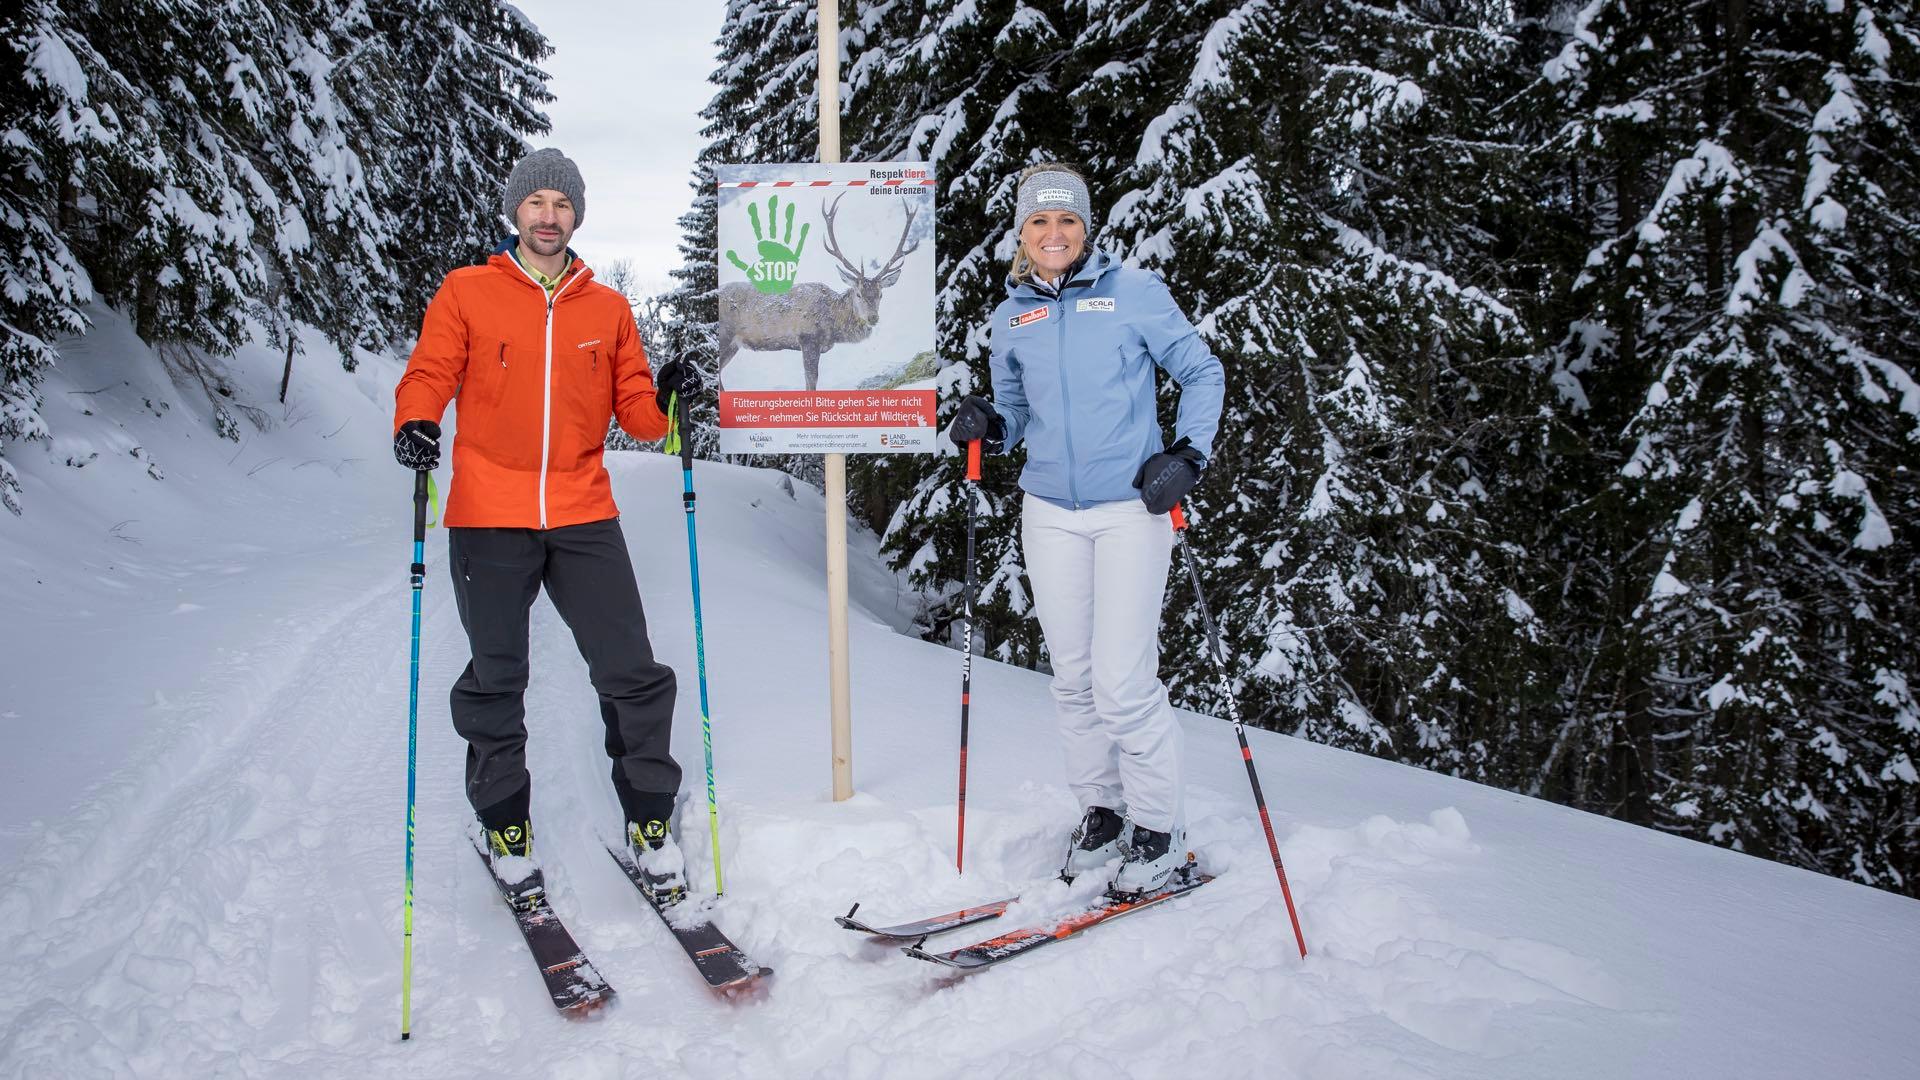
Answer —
826 338
827 25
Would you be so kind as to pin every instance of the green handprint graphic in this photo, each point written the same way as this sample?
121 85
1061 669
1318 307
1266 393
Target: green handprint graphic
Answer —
778 267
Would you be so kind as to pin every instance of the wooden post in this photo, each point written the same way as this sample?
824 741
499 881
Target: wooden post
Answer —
827 23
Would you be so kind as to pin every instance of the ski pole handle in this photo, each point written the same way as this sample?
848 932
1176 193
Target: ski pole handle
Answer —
680 429
1179 517
420 479
973 461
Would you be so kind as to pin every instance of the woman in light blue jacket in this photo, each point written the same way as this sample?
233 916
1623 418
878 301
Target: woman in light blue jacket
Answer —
1074 347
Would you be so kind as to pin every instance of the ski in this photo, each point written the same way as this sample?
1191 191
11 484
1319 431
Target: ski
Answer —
1018 942
572 981
719 961
938 924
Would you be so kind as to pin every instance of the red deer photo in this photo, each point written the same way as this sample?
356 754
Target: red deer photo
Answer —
825 337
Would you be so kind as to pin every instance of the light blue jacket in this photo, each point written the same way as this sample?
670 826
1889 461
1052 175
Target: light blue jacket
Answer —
1073 375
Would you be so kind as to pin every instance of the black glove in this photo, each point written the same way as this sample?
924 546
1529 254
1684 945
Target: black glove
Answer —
977 419
417 445
676 377
1166 477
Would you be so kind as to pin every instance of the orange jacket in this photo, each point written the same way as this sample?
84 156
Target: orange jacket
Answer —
536 381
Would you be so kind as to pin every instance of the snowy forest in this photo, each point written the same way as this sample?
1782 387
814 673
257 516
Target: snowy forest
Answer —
208 169
1572 442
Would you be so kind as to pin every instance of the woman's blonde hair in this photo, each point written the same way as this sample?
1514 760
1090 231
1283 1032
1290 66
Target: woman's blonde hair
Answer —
1022 268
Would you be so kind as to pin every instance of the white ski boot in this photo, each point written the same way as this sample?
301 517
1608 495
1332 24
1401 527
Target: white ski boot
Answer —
1151 860
1100 838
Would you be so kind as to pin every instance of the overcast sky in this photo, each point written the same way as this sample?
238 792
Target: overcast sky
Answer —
629 80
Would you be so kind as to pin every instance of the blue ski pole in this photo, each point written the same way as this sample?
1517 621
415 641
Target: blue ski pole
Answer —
422 486
677 441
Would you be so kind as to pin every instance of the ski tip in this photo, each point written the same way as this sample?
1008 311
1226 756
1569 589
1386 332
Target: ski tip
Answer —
746 983
945 960
591 1005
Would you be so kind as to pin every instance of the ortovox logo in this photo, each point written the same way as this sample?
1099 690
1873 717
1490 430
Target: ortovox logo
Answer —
588 344
1033 316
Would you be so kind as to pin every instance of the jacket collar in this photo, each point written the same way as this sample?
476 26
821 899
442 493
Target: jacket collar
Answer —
1093 266
503 260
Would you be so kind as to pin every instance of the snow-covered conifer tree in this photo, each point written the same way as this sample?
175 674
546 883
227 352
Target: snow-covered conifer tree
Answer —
1739 353
462 97
202 166
42 284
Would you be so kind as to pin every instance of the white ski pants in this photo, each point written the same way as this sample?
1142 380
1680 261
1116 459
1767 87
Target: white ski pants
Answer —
1099 577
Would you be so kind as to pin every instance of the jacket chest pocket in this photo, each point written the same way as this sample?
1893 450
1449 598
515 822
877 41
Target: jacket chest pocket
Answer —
496 371
500 402
583 384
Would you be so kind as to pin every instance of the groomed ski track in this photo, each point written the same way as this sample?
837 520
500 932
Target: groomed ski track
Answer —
209 885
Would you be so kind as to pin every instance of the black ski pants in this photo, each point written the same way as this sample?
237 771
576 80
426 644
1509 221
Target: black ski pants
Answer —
589 576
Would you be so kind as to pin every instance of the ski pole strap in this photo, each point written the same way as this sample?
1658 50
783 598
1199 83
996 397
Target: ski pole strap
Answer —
433 502
672 443
973 461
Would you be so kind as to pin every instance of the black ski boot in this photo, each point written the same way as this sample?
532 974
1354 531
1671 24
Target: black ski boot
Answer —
510 853
663 870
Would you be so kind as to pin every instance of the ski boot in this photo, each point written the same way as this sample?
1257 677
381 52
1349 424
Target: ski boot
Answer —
510 851
1151 861
663 870
1100 838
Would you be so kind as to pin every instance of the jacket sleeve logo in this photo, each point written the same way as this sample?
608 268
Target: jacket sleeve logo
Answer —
1094 303
1033 316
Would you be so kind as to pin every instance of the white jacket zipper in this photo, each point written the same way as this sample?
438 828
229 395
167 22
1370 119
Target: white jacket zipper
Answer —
546 389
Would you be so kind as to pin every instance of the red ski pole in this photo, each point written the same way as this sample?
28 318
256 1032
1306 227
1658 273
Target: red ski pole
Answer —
1233 714
966 663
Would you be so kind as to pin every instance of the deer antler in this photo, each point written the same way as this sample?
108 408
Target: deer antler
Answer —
832 243
901 250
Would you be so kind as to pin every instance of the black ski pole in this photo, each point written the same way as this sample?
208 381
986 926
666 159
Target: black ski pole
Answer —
966 662
1233 713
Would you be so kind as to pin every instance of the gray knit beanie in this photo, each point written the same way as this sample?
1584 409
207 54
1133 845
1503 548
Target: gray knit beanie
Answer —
1052 190
542 170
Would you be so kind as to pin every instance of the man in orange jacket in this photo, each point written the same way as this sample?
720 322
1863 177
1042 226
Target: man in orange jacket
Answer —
539 356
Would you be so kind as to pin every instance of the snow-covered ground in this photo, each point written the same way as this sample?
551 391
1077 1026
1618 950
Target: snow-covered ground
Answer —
203 688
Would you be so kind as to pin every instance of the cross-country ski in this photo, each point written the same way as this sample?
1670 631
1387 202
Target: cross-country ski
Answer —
921 928
1018 942
576 987
720 962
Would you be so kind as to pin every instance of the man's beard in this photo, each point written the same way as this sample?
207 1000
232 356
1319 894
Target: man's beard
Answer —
544 247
